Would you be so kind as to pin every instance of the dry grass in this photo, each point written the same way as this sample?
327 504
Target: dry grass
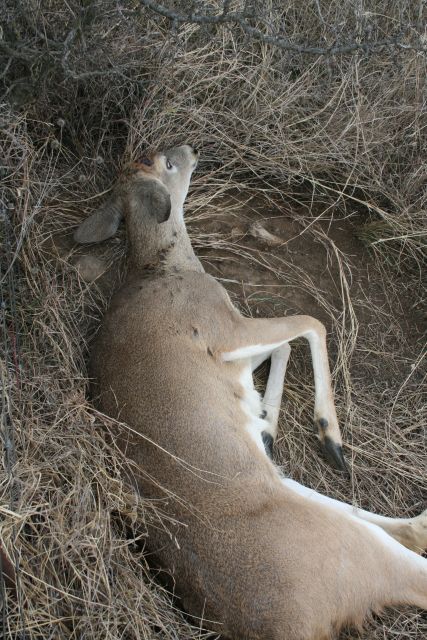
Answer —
316 139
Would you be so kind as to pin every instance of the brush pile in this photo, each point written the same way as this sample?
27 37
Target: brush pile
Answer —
324 131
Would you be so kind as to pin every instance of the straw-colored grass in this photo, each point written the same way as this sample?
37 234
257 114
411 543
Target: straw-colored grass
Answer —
322 142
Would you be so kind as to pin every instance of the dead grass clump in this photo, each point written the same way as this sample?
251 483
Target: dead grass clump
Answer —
323 150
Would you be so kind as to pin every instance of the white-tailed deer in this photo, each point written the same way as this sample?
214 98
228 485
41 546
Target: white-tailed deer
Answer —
254 554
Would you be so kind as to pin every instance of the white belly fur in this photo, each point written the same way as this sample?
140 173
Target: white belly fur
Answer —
252 407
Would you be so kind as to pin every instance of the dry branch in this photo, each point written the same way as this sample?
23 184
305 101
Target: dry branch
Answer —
231 18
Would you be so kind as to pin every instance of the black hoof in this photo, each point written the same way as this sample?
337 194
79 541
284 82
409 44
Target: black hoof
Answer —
334 455
268 443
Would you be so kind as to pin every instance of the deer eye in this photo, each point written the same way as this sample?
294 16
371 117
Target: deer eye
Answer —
168 164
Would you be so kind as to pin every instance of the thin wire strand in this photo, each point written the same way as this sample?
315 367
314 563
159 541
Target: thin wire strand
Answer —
11 361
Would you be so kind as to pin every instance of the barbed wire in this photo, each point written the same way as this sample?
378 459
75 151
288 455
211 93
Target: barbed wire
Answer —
9 572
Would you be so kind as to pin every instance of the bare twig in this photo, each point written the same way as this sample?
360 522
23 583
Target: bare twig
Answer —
228 18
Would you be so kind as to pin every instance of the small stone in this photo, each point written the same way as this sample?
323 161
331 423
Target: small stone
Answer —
256 230
90 268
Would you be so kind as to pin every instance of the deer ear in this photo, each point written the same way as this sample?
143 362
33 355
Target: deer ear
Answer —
102 224
156 200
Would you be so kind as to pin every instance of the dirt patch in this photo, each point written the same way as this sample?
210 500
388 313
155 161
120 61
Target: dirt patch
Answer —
304 274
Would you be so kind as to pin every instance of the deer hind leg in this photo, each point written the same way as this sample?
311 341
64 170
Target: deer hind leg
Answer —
362 568
257 337
404 572
383 572
410 532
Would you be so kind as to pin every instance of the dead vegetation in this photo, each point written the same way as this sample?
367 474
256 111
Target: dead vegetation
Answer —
326 152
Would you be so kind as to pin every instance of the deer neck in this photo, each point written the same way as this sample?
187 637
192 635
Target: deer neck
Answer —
164 247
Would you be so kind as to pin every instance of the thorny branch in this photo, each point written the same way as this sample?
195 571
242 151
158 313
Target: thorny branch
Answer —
58 54
61 59
241 19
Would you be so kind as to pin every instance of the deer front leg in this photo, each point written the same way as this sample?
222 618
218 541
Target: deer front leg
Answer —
255 337
273 395
272 399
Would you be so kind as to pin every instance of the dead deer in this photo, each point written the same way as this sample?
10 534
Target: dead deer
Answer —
253 554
